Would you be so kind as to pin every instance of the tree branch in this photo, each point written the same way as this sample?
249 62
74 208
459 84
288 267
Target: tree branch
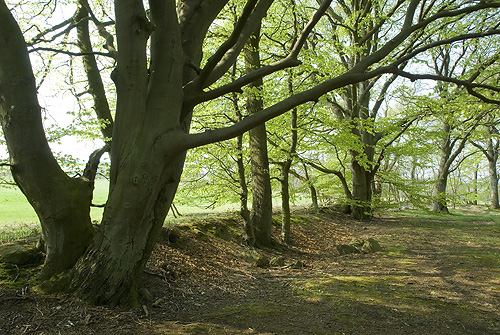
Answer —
339 174
465 83
92 166
226 46
71 53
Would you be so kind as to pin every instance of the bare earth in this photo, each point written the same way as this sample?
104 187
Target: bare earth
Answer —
429 279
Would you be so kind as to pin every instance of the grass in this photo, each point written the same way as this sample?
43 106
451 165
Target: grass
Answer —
18 219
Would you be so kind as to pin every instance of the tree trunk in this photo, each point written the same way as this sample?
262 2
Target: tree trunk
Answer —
244 212
261 214
312 189
440 205
492 167
285 172
362 181
285 205
440 196
132 220
242 178
475 185
146 162
61 203
445 161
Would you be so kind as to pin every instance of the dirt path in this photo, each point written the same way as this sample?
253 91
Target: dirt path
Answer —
433 277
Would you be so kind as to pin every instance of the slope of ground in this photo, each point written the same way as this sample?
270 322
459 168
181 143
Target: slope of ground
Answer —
435 275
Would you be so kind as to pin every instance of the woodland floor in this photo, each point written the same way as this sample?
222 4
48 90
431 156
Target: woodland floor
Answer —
434 276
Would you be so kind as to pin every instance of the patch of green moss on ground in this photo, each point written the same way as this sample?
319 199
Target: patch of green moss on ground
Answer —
299 220
17 277
228 228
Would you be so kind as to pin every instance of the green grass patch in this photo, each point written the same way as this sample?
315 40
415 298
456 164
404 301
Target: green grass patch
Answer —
14 208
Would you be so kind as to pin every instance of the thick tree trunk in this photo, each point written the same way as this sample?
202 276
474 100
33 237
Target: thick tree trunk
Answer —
61 203
150 123
440 205
132 220
261 214
262 211
362 181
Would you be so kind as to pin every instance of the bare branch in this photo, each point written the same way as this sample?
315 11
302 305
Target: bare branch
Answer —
465 83
339 174
71 53
308 28
38 37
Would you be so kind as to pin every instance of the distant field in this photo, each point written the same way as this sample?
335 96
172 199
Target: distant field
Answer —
17 217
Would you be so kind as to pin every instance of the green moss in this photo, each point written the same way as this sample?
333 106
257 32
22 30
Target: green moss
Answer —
299 220
228 228
55 284
17 277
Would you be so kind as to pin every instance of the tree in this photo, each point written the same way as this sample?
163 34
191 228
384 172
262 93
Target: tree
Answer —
446 61
160 78
261 215
490 149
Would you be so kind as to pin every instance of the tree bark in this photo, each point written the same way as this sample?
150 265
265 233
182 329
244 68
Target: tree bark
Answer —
445 161
146 157
491 154
285 172
61 203
261 214
492 167
244 212
362 181
440 205
312 189
132 220
96 85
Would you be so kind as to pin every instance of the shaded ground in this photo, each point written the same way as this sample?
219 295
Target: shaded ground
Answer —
437 275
